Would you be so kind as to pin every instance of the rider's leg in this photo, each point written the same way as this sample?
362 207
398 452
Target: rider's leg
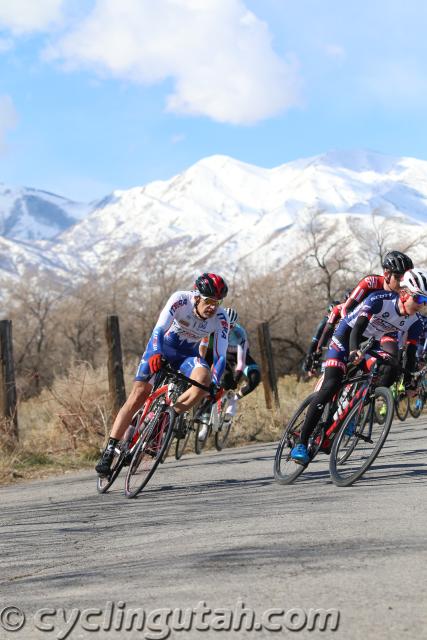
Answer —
192 396
140 391
331 384
137 397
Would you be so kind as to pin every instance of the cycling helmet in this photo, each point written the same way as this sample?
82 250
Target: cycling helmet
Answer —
347 294
397 262
211 286
415 281
233 316
332 304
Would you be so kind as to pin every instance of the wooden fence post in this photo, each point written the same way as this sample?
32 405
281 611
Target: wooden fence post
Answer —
116 380
267 366
8 400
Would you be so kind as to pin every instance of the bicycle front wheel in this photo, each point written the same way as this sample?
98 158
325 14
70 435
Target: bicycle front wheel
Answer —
149 451
361 438
285 469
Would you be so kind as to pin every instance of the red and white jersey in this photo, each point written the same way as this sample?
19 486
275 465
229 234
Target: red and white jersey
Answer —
368 285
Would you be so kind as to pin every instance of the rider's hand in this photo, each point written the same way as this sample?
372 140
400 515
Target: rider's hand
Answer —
155 363
355 357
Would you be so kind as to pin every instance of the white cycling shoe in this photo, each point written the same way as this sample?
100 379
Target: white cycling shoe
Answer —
232 407
203 432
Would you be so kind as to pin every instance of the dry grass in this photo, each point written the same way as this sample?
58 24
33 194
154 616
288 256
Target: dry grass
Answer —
65 426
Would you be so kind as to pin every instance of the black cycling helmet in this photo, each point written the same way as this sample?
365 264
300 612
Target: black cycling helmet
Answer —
332 304
211 285
397 262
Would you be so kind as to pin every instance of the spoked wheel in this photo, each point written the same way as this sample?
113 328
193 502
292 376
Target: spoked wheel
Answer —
224 426
361 438
104 482
285 469
181 443
416 403
149 451
401 402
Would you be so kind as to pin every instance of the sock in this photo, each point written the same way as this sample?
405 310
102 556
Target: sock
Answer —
111 443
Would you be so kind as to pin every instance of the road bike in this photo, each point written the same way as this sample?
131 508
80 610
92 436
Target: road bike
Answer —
214 415
347 429
148 437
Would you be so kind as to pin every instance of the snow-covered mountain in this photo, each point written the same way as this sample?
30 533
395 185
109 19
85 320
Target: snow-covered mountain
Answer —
221 213
31 214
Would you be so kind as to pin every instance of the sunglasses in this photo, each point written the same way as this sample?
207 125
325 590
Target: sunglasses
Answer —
419 299
212 301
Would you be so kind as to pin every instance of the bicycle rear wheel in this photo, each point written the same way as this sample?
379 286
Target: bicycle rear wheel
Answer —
285 469
361 438
152 445
401 405
416 403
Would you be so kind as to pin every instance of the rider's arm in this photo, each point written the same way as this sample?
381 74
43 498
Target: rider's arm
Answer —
315 339
165 320
220 343
203 347
371 307
357 332
242 349
414 333
359 293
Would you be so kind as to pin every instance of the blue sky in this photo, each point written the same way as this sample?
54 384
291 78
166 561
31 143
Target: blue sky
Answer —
104 94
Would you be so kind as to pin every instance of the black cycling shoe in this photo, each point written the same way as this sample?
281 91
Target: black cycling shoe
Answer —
103 467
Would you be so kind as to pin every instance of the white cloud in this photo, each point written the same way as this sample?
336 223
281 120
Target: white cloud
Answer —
25 16
217 54
8 119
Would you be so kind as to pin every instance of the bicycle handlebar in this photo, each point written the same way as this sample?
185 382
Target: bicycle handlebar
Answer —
177 374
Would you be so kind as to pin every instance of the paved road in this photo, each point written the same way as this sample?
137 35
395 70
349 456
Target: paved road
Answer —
220 531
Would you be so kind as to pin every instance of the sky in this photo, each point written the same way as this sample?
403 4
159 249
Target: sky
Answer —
97 95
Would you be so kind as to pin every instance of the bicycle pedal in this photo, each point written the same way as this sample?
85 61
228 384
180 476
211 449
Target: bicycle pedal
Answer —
364 438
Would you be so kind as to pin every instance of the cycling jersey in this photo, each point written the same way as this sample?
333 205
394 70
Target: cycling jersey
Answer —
383 320
365 287
178 333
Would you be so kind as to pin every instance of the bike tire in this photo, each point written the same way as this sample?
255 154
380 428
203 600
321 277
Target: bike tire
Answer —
286 470
401 404
225 422
345 470
151 447
181 443
416 404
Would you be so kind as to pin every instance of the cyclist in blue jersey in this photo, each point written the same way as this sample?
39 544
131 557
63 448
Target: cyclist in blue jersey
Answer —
382 315
240 365
187 318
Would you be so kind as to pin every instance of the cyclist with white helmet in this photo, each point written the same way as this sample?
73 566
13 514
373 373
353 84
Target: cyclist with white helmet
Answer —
382 315
187 318
240 365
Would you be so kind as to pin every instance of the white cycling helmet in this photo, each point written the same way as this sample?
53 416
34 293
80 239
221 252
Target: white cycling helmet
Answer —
415 281
233 316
